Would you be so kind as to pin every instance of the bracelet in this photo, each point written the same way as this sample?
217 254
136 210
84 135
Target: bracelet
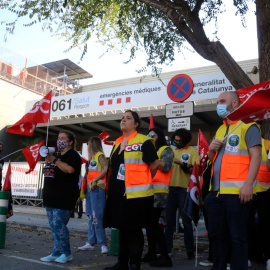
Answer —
54 161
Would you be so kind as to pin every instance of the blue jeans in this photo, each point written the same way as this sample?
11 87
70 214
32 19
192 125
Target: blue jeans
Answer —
95 203
176 199
227 222
58 219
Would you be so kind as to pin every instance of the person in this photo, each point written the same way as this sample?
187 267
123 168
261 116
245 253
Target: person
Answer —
258 243
79 204
236 155
60 193
184 158
129 205
93 189
161 182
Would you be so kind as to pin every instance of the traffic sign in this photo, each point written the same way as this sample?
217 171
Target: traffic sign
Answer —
176 123
180 88
179 109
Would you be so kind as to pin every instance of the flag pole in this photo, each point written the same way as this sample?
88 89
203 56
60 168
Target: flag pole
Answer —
47 131
196 252
11 154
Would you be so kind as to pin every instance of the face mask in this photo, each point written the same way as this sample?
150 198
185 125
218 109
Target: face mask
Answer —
61 145
179 145
222 110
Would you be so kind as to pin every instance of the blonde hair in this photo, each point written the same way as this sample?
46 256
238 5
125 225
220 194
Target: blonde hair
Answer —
94 145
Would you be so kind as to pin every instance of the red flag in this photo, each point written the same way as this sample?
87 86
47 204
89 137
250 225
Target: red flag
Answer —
32 156
192 202
83 159
202 148
255 103
40 113
151 125
104 137
7 184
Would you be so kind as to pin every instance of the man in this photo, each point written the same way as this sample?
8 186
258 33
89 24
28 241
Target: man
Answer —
236 159
184 158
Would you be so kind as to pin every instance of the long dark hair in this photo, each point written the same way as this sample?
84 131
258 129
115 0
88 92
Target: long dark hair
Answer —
161 140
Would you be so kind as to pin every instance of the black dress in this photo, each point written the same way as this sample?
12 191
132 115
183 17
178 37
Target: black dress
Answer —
123 213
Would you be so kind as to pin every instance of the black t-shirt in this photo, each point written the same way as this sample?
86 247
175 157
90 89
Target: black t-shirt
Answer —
127 213
61 189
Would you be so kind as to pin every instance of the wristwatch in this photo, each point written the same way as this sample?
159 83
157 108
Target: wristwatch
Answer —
55 160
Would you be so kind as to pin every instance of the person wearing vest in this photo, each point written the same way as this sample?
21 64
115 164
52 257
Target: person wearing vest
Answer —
258 240
129 204
184 158
161 184
93 189
236 159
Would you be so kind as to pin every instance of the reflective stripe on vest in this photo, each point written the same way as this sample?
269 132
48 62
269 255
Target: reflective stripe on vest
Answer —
94 172
161 181
138 180
235 160
263 177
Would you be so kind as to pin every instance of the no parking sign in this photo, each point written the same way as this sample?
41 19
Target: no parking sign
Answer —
180 88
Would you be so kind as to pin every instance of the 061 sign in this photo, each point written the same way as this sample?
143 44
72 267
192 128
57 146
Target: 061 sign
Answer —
61 105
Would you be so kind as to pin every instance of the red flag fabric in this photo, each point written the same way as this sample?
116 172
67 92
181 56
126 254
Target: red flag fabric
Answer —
7 184
32 156
151 125
40 113
83 159
104 137
192 202
202 148
255 103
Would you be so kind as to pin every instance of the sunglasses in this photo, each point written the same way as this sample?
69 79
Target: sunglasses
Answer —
151 135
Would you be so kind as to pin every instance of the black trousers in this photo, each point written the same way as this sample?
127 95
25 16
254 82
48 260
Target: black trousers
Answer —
155 235
131 247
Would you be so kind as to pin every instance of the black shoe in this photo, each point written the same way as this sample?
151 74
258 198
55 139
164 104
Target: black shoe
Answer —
149 257
190 255
162 261
134 267
117 266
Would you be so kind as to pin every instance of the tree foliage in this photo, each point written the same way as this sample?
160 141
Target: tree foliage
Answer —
160 27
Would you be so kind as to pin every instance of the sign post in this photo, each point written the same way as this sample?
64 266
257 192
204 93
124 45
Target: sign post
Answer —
176 123
179 109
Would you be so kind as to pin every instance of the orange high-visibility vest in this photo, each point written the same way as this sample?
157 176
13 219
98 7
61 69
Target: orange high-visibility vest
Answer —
263 177
161 181
236 159
94 169
138 179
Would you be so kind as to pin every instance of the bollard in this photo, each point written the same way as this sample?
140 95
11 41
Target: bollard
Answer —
114 247
4 198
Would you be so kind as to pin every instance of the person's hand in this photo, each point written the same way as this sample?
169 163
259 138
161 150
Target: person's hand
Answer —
93 185
246 193
215 145
50 158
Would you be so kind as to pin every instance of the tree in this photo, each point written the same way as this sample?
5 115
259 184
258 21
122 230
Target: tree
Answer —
160 27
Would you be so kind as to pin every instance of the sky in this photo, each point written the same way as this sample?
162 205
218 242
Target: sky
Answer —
41 47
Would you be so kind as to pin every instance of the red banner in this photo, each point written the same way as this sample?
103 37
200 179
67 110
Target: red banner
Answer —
40 113
32 156
202 148
255 103
104 137
7 184
151 125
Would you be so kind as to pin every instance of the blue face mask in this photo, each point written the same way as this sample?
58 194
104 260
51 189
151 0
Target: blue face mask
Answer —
222 110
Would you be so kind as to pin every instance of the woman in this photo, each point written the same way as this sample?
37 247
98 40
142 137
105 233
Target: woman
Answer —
60 193
161 183
130 194
93 189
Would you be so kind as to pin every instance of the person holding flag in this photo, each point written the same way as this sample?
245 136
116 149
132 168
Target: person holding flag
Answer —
184 158
236 156
60 193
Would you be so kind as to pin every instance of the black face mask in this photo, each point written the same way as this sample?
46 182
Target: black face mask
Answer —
179 145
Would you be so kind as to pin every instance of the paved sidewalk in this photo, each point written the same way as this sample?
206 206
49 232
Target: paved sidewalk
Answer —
28 238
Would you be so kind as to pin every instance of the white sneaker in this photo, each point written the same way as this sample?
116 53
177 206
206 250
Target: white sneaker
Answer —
268 264
228 266
104 250
87 246
206 263
249 263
